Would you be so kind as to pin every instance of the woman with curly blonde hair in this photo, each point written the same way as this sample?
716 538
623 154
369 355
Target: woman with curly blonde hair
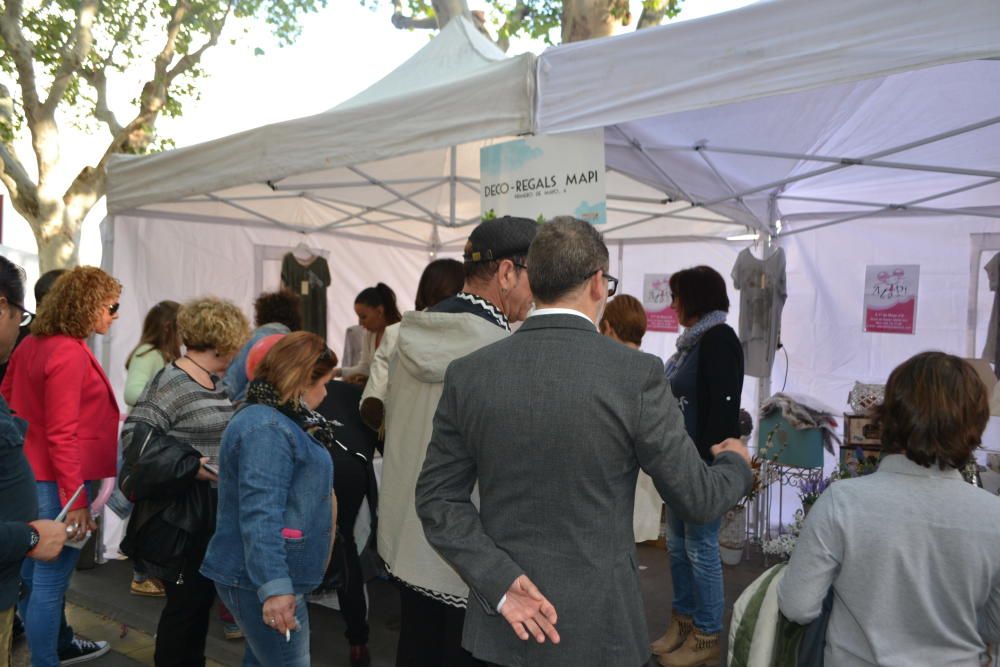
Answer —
170 445
55 383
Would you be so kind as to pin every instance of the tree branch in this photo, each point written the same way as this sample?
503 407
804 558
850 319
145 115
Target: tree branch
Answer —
189 60
22 54
515 17
402 22
654 13
23 193
77 49
98 80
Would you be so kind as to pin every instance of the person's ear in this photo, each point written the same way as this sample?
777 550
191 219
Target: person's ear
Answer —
596 285
505 274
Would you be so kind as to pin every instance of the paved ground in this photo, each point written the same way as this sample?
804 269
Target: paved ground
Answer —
102 608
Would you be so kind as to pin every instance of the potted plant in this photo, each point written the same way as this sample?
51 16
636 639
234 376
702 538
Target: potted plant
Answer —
733 529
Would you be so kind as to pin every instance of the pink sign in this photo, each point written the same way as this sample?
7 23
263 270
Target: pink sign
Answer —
891 299
656 300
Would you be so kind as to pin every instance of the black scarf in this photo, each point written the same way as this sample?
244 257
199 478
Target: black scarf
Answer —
313 423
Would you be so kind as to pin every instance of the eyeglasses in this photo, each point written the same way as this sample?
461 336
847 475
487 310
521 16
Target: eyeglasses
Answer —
520 266
612 281
113 308
26 315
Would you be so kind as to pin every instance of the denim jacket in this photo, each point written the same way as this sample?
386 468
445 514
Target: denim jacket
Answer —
274 526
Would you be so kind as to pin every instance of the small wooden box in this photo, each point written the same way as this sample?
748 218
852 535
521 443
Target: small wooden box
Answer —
861 430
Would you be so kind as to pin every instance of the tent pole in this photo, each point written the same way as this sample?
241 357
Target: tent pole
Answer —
868 214
395 193
872 156
850 162
757 222
656 167
972 319
453 185
108 265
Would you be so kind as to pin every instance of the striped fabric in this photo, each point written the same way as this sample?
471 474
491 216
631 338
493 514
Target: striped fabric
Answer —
176 404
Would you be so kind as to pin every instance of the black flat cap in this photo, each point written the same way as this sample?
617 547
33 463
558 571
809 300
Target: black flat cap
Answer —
499 238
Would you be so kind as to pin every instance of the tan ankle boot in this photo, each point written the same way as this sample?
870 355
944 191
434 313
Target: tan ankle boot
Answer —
678 630
698 650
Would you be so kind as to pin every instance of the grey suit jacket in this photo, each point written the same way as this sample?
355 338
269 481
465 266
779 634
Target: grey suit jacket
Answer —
554 423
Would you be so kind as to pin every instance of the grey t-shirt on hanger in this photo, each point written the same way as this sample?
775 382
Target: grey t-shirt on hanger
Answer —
763 290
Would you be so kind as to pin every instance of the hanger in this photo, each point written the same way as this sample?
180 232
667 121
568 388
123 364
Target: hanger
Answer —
302 251
762 249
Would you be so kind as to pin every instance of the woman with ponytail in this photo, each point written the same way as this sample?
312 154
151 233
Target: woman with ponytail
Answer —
376 309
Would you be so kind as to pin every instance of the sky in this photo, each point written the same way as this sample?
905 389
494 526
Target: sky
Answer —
342 50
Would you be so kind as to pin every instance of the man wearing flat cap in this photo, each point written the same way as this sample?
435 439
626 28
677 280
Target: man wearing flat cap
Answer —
496 293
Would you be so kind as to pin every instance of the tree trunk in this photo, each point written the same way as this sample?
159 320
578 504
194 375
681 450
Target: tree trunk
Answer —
586 19
58 241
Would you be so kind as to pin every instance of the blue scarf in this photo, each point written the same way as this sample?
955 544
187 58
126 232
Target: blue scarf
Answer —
690 338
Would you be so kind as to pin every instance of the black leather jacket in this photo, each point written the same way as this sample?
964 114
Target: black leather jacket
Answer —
174 515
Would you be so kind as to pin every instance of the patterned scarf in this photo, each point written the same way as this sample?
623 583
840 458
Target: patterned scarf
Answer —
690 338
310 421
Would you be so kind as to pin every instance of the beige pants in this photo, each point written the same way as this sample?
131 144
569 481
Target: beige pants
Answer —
6 635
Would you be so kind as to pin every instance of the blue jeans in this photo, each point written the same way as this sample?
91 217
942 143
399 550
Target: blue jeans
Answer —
696 569
45 584
264 646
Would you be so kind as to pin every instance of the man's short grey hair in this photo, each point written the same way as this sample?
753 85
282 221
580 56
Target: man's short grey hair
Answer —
563 255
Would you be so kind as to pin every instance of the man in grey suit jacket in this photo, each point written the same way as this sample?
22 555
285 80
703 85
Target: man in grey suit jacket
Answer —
554 423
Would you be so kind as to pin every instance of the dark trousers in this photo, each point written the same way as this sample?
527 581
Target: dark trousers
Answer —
430 633
350 486
183 626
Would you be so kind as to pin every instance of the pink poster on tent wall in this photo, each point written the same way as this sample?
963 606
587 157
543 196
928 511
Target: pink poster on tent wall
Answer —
656 300
891 298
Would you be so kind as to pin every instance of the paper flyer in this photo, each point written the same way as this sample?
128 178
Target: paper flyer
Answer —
891 298
656 300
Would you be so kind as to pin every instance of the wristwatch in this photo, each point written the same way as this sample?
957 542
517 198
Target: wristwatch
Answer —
34 540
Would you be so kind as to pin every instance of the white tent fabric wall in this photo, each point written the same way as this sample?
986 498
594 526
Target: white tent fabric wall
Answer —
181 261
822 324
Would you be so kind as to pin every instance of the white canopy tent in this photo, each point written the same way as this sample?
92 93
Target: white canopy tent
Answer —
791 111
824 117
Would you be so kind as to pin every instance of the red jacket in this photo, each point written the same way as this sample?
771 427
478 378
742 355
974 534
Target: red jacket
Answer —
57 386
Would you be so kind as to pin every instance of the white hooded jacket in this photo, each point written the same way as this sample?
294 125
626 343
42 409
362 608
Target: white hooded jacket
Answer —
427 343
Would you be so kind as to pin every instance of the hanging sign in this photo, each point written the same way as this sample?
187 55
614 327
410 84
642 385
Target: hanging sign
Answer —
656 300
891 298
544 176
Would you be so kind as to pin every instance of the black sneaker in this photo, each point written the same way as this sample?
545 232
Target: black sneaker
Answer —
82 650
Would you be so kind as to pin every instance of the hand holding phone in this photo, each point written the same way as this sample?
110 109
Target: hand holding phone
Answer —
207 472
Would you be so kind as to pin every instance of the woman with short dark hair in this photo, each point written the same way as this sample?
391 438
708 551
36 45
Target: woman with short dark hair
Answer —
912 551
276 516
706 376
